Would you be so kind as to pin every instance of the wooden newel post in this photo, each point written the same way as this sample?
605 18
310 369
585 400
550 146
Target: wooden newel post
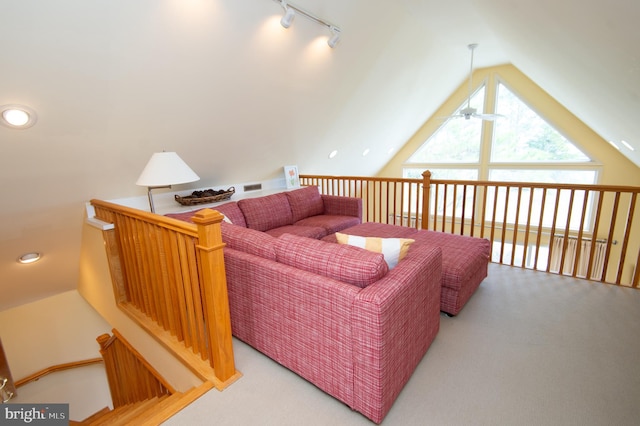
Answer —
216 299
426 198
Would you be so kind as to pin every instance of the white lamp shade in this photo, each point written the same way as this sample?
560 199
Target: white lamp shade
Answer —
164 169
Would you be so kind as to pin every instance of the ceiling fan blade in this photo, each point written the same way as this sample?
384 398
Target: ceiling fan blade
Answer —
488 117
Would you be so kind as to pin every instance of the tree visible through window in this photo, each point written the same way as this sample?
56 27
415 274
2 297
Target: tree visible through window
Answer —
522 136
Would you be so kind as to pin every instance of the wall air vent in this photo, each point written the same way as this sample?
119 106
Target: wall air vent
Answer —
253 187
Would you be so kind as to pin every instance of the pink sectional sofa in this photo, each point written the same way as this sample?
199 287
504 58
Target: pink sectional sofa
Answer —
336 314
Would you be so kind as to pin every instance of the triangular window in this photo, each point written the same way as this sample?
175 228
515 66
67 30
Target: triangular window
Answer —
457 140
523 136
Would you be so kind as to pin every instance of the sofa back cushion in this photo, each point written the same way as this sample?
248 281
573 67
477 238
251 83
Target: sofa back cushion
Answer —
344 263
232 212
249 241
305 202
268 212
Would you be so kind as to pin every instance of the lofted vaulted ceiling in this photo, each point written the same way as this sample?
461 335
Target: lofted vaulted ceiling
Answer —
238 96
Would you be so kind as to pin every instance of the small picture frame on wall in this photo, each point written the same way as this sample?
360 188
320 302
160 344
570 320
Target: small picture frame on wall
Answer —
291 177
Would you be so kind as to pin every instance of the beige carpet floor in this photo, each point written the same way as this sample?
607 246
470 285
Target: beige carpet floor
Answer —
528 349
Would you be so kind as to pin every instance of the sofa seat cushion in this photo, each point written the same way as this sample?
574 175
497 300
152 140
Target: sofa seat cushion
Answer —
248 240
344 263
305 202
268 212
331 223
301 231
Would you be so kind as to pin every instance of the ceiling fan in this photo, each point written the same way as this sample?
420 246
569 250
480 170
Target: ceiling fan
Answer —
469 112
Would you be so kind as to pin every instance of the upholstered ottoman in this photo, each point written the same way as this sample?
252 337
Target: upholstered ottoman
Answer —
465 259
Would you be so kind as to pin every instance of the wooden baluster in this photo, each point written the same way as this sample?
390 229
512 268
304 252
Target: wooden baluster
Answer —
553 231
583 216
625 240
515 227
610 238
527 230
505 220
454 204
565 240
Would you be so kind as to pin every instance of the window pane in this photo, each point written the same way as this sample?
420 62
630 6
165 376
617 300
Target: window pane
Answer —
456 141
541 203
523 136
457 174
587 177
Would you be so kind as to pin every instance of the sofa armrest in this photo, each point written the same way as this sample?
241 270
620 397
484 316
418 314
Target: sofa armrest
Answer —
342 206
395 319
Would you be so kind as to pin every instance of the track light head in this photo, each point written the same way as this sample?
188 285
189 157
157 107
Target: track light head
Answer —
335 37
289 14
290 11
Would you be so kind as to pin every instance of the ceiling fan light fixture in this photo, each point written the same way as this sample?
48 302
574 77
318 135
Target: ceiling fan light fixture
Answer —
469 112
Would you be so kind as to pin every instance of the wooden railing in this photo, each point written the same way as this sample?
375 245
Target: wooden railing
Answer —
55 368
586 231
169 276
131 378
139 393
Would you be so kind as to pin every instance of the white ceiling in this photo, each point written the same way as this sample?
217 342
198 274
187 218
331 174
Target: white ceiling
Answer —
238 97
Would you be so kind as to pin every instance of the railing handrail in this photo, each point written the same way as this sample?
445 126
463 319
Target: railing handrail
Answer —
55 368
164 221
588 187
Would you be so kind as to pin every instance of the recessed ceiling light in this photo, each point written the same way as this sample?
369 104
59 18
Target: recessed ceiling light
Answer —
613 144
17 116
29 258
333 153
628 145
365 152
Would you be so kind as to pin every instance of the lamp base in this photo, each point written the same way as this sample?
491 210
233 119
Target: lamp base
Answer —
151 206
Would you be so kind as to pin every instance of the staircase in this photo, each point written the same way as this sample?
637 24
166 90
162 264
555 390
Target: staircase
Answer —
135 413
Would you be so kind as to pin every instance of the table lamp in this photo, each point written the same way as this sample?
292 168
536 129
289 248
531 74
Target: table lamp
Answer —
163 170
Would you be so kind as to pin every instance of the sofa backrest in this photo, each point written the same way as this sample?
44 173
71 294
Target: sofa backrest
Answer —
249 241
344 263
305 202
268 212
232 212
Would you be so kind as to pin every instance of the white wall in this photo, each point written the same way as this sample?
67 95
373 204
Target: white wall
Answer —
57 330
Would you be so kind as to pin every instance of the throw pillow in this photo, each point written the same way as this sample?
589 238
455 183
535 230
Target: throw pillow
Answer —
393 249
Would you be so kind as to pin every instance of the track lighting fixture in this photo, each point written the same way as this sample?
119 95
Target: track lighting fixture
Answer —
289 14
335 37
290 11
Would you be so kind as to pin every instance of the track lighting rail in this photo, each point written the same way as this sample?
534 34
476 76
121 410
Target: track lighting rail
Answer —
290 12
